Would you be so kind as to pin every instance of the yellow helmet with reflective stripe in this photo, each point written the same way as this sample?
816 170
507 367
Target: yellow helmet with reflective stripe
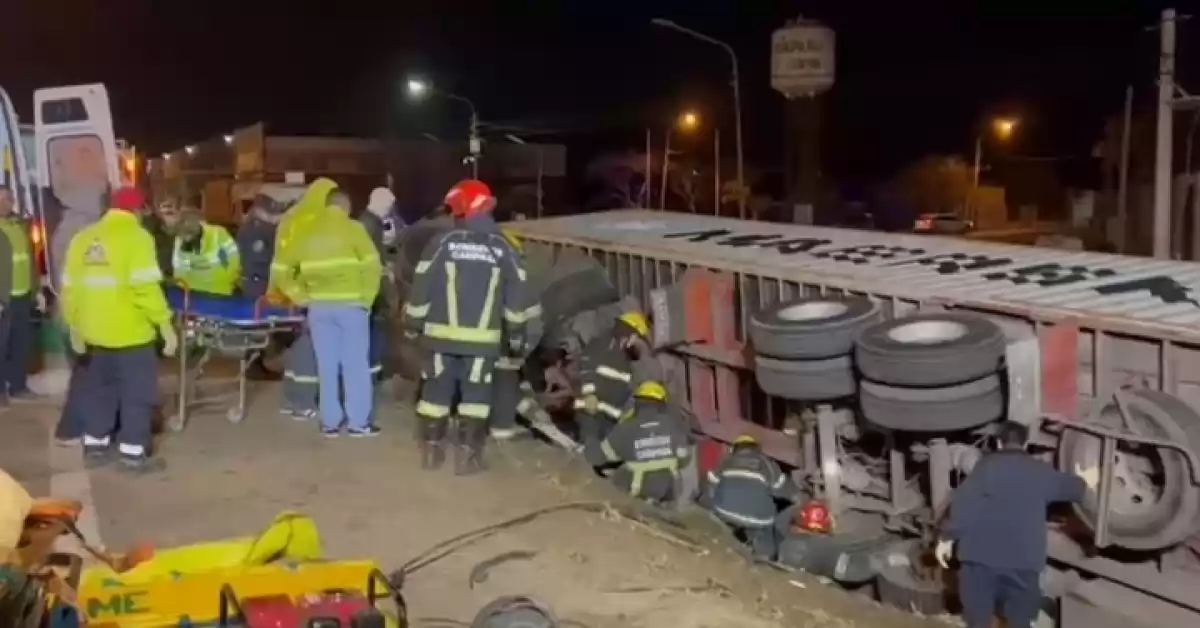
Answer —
651 390
512 238
745 439
637 321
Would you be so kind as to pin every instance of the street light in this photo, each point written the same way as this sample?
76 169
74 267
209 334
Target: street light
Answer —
687 121
1003 129
737 100
418 88
228 140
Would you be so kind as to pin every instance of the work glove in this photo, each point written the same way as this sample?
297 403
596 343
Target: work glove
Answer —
170 339
516 346
591 404
943 551
1090 475
77 343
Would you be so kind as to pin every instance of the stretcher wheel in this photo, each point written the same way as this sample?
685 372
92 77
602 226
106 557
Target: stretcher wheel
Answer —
235 415
175 423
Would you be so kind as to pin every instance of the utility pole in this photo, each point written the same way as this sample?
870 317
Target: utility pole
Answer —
1163 144
1123 175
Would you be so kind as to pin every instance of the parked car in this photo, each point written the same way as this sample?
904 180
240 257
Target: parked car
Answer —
946 223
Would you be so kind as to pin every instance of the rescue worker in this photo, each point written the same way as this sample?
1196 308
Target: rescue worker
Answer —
163 225
465 303
379 208
606 375
205 257
115 309
997 520
18 299
301 384
743 489
649 444
513 394
256 244
332 268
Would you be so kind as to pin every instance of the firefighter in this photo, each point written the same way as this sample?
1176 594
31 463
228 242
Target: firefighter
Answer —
256 244
650 445
301 384
332 268
465 304
19 297
513 393
115 309
606 375
205 257
743 489
997 520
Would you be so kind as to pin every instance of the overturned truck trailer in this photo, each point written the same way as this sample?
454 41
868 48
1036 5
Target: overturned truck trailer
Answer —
1102 356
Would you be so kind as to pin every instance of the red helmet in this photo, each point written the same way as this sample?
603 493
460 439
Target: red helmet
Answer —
814 516
470 197
128 198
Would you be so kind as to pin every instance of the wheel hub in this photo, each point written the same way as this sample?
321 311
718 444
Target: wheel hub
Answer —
928 332
812 311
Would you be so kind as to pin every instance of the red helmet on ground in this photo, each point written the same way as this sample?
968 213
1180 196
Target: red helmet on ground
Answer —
128 198
470 197
814 516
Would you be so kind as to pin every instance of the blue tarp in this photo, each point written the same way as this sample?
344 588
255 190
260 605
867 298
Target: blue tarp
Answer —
235 309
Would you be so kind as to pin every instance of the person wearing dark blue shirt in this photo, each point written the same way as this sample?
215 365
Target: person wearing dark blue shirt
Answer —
997 522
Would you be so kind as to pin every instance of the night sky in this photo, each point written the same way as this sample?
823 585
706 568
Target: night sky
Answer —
913 77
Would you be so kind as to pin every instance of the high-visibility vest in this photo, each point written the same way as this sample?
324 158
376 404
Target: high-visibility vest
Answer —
214 268
18 239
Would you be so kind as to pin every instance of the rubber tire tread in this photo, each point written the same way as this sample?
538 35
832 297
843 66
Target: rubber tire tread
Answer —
1171 524
948 409
806 380
776 337
898 587
977 353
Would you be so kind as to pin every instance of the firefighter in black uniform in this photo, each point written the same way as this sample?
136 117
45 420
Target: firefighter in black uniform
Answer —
606 375
464 301
650 445
743 489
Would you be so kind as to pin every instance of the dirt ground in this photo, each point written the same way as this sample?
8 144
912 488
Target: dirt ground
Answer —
370 499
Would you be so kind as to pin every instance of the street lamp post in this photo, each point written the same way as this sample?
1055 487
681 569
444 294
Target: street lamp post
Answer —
737 103
1003 129
687 121
418 88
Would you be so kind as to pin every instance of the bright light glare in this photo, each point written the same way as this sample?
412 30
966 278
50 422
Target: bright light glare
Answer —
417 87
191 150
228 139
689 120
166 155
1004 127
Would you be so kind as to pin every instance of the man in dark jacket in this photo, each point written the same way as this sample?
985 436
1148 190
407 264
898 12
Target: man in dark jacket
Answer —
607 377
256 244
162 225
743 489
997 519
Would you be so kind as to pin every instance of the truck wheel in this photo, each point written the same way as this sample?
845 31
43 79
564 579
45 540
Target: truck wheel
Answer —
1154 504
930 350
814 380
811 328
899 584
948 409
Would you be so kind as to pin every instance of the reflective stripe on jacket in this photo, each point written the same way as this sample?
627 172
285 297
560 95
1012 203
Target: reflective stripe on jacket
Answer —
333 261
22 265
606 372
466 286
110 286
649 440
214 267
744 487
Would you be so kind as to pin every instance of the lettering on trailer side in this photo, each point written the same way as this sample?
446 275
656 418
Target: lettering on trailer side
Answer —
1162 287
118 604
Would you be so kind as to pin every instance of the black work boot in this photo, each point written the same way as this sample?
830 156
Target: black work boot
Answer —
472 434
433 454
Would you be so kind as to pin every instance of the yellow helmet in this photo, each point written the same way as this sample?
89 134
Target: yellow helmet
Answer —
745 439
512 238
637 321
651 390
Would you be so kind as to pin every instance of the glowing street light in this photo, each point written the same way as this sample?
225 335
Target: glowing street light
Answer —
1003 127
418 88
228 140
687 121
191 150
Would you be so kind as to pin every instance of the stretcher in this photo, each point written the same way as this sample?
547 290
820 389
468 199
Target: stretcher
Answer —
228 326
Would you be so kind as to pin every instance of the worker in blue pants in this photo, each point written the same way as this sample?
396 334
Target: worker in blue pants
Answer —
300 382
997 520
69 430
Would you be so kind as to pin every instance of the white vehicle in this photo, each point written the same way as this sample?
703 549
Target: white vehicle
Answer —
61 165
907 350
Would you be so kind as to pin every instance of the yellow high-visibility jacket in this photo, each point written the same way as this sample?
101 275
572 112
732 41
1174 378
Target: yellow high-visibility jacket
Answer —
215 268
332 260
111 292
295 222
